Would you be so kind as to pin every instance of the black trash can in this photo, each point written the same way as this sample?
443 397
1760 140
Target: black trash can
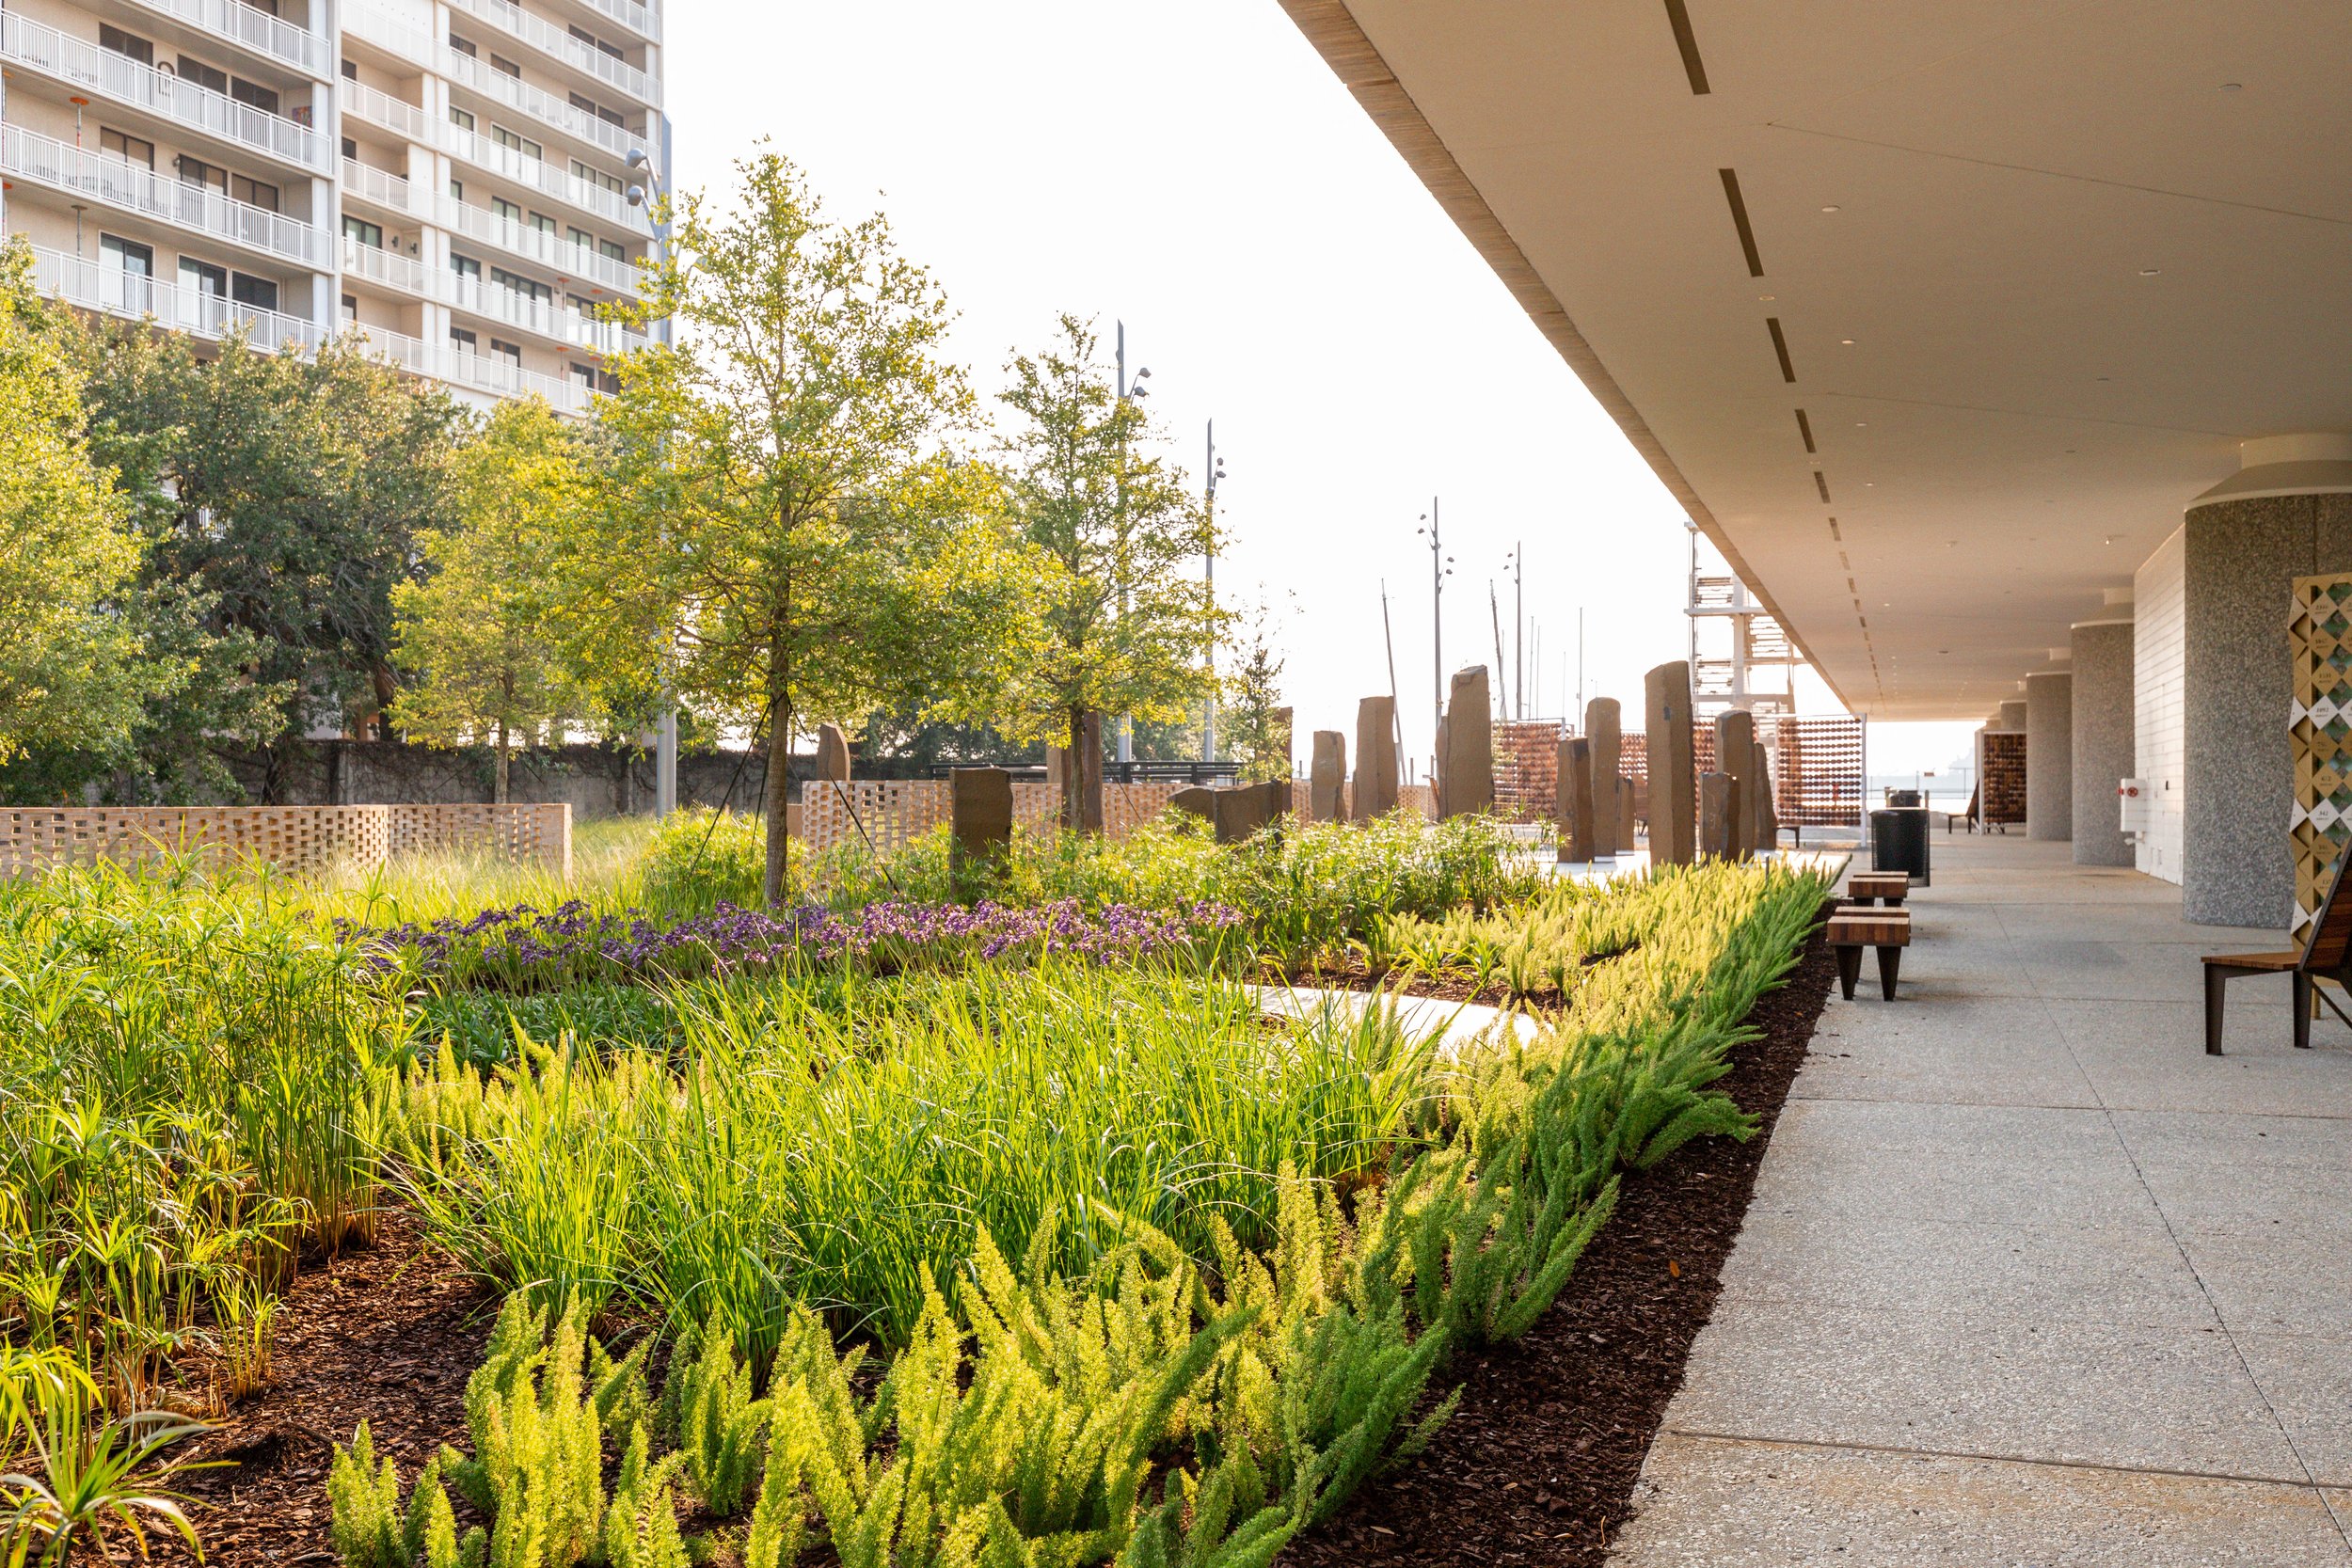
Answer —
1899 842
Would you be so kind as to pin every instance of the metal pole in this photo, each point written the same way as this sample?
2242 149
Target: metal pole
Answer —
1208 724
1126 725
1437 613
1494 614
1518 626
1396 715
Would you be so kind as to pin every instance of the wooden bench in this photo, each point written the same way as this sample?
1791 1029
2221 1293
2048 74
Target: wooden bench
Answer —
1852 930
2325 955
1887 887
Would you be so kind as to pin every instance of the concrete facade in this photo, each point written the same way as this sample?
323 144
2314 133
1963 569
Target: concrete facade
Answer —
2240 558
2050 756
2104 749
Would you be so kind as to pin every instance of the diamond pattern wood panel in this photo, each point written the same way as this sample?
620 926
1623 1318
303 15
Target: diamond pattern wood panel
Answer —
2319 732
298 839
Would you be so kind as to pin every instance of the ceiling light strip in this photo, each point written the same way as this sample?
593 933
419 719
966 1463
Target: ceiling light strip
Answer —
1740 221
1687 42
1780 348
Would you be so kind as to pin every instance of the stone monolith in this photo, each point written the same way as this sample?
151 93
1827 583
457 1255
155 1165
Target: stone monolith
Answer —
1578 820
1602 722
1673 788
1465 754
1326 778
1374 794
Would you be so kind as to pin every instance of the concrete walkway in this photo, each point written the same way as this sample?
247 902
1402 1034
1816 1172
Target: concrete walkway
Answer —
2028 1278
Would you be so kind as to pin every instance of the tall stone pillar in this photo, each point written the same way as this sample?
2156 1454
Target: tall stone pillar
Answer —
1465 754
1090 766
1578 818
1719 808
1374 794
980 820
1763 810
1602 719
832 752
1326 778
2104 742
1673 786
2014 718
1735 756
2286 513
2049 755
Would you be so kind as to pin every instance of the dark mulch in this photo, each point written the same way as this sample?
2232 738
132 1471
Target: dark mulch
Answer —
1538 1464
386 1334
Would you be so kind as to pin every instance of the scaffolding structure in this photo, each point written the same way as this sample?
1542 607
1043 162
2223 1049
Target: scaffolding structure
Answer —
1741 654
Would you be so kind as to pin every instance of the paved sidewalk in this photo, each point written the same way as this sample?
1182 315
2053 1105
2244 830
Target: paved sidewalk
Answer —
2029 1279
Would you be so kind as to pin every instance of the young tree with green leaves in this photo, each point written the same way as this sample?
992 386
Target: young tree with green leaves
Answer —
69 669
1260 732
478 633
786 526
1124 618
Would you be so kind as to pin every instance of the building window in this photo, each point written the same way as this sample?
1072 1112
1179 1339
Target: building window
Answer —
363 231
203 75
254 192
465 266
351 308
597 177
613 250
351 70
514 141
351 150
127 274
462 338
196 171
253 94
115 41
542 222
510 353
461 119
528 288
258 292
584 36
582 238
505 67
457 190
595 379
131 150
203 278
506 209
464 46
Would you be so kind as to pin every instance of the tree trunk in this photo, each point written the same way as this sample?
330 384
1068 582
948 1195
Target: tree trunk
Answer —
1072 775
776 807
498 791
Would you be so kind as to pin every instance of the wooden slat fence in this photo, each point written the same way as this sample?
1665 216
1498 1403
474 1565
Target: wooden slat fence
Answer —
303 840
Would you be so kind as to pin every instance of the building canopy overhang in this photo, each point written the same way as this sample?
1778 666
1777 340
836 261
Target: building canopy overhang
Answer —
1935 317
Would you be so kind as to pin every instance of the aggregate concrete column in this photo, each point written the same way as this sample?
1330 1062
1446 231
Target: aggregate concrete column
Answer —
2013 718
2049 756
1673 786
2103 740
1603 723
2241 555
1374 794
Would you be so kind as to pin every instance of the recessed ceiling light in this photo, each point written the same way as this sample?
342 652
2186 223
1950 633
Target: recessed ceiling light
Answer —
1862 424
1831 207
2232 87
1848 341
2150 272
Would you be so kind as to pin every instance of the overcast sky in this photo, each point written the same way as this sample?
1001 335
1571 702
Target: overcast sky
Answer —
1192 168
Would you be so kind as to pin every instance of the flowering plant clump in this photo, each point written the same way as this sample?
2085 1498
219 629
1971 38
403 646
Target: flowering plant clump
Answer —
525 948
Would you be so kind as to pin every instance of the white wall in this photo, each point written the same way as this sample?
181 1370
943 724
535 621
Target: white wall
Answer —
2159 593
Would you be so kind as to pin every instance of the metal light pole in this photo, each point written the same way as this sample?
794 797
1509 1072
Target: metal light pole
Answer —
1127 392
1215 467
665 727
1440 569
1516 560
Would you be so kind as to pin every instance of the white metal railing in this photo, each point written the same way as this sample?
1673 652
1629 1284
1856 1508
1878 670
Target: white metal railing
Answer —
381 186
379 27
483 372
548 39
575 261
96 287
492 300
104 73
382 108
644 20
544 106
255 30
134 188
541 175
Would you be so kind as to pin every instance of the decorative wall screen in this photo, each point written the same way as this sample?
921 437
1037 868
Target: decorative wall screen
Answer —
2319 731
2001 778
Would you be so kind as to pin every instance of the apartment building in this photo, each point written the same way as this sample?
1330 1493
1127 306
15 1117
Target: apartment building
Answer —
450 176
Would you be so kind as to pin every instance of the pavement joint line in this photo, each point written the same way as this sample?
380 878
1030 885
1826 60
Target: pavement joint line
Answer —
1760 1440
2086 1110
2230 1335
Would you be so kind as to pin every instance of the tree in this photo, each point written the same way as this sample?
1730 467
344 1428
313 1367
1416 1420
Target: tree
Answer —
69 671
285 495
788 527
1124 621
1261 732
477 632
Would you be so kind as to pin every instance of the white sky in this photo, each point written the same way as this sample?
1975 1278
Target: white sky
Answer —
1193 167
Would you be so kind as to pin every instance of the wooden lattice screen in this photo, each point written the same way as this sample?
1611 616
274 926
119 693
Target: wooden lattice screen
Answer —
2001 778
2319 731
1815 762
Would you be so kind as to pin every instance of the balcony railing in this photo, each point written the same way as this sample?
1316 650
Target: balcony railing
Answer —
133 188
492 300
551 39
539 174
644 20
250 27
94 287
382 108
105 73
543 107
380 186
483 372
575 261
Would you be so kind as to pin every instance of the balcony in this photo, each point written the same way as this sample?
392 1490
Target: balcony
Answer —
377 185
554 42
252 28
644 20
398 115
92 287
103 74
128 187
492 301
573 261
480 372
537 174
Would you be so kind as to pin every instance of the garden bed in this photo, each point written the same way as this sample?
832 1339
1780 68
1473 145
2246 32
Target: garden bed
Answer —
1536 1467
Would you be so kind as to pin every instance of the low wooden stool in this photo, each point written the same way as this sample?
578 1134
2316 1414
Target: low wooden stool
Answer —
1852 930
1888 887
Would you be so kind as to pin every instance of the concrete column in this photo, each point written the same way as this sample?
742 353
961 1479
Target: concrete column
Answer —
2241 555
1602 721
2104 743
2013 718
2050 756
